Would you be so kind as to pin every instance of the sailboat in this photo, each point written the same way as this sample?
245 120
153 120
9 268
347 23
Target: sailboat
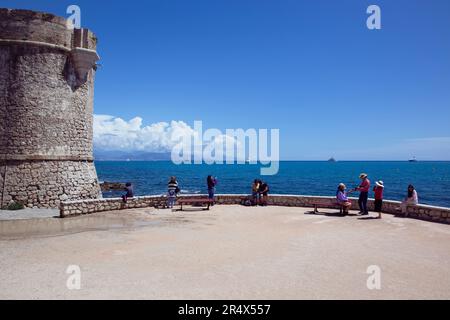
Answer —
413 159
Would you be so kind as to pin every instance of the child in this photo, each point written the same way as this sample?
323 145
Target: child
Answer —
129 194
378 189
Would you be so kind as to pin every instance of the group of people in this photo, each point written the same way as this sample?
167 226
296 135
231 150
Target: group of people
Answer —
173 189
363 189
260 193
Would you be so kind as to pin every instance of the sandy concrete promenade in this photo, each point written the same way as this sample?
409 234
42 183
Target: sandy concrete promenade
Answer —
230 252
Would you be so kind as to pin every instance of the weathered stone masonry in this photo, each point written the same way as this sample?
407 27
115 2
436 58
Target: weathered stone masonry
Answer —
46 105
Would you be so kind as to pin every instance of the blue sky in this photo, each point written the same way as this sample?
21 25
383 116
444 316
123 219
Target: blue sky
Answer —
310 68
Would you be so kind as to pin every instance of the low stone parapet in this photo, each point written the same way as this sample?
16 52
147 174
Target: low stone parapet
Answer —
79 207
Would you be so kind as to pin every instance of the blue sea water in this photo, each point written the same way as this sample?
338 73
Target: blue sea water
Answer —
431 179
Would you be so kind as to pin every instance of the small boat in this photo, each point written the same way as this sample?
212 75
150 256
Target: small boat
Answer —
332 159
413 159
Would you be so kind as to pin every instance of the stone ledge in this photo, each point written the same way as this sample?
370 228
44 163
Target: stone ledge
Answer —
39 157
26 27
78 207
23 14
9 42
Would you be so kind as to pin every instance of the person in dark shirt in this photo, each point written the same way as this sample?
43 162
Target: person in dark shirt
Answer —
264 193
129 194
211 182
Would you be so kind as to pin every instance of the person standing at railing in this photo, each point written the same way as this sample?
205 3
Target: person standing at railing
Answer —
378 190
363 189
211 183
172 190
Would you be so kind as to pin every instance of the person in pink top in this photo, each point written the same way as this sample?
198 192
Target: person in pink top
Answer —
378 190
363 189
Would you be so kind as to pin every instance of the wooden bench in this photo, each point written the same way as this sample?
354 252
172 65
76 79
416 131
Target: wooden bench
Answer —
322 203
196 201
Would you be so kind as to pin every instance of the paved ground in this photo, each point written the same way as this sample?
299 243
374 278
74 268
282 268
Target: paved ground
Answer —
28 213
231 252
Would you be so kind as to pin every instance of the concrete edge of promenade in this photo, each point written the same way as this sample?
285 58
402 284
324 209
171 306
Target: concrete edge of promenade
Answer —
81 207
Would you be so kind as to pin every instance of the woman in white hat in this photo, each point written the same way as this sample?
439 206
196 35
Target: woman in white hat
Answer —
378 190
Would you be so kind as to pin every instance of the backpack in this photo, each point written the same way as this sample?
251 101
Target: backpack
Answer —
247 202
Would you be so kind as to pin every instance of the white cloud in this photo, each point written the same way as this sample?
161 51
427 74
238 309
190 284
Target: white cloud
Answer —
115 134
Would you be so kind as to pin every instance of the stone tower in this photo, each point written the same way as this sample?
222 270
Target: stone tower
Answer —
46 110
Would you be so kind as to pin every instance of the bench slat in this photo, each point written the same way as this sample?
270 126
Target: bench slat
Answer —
191 201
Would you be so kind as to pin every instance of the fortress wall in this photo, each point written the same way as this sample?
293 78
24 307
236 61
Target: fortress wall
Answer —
46 183
73 208
45 117
46 110
34 26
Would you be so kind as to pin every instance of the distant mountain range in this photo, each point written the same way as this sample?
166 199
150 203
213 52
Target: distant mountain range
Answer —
103 155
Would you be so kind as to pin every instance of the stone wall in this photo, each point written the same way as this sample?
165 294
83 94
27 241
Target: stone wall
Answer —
71 208
46 110
46 183
34 26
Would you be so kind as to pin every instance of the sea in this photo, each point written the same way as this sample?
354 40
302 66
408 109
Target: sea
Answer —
430 178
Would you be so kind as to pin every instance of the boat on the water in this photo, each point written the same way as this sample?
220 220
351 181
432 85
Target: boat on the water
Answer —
332 159
413 159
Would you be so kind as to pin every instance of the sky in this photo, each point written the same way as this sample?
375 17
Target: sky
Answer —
311 69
